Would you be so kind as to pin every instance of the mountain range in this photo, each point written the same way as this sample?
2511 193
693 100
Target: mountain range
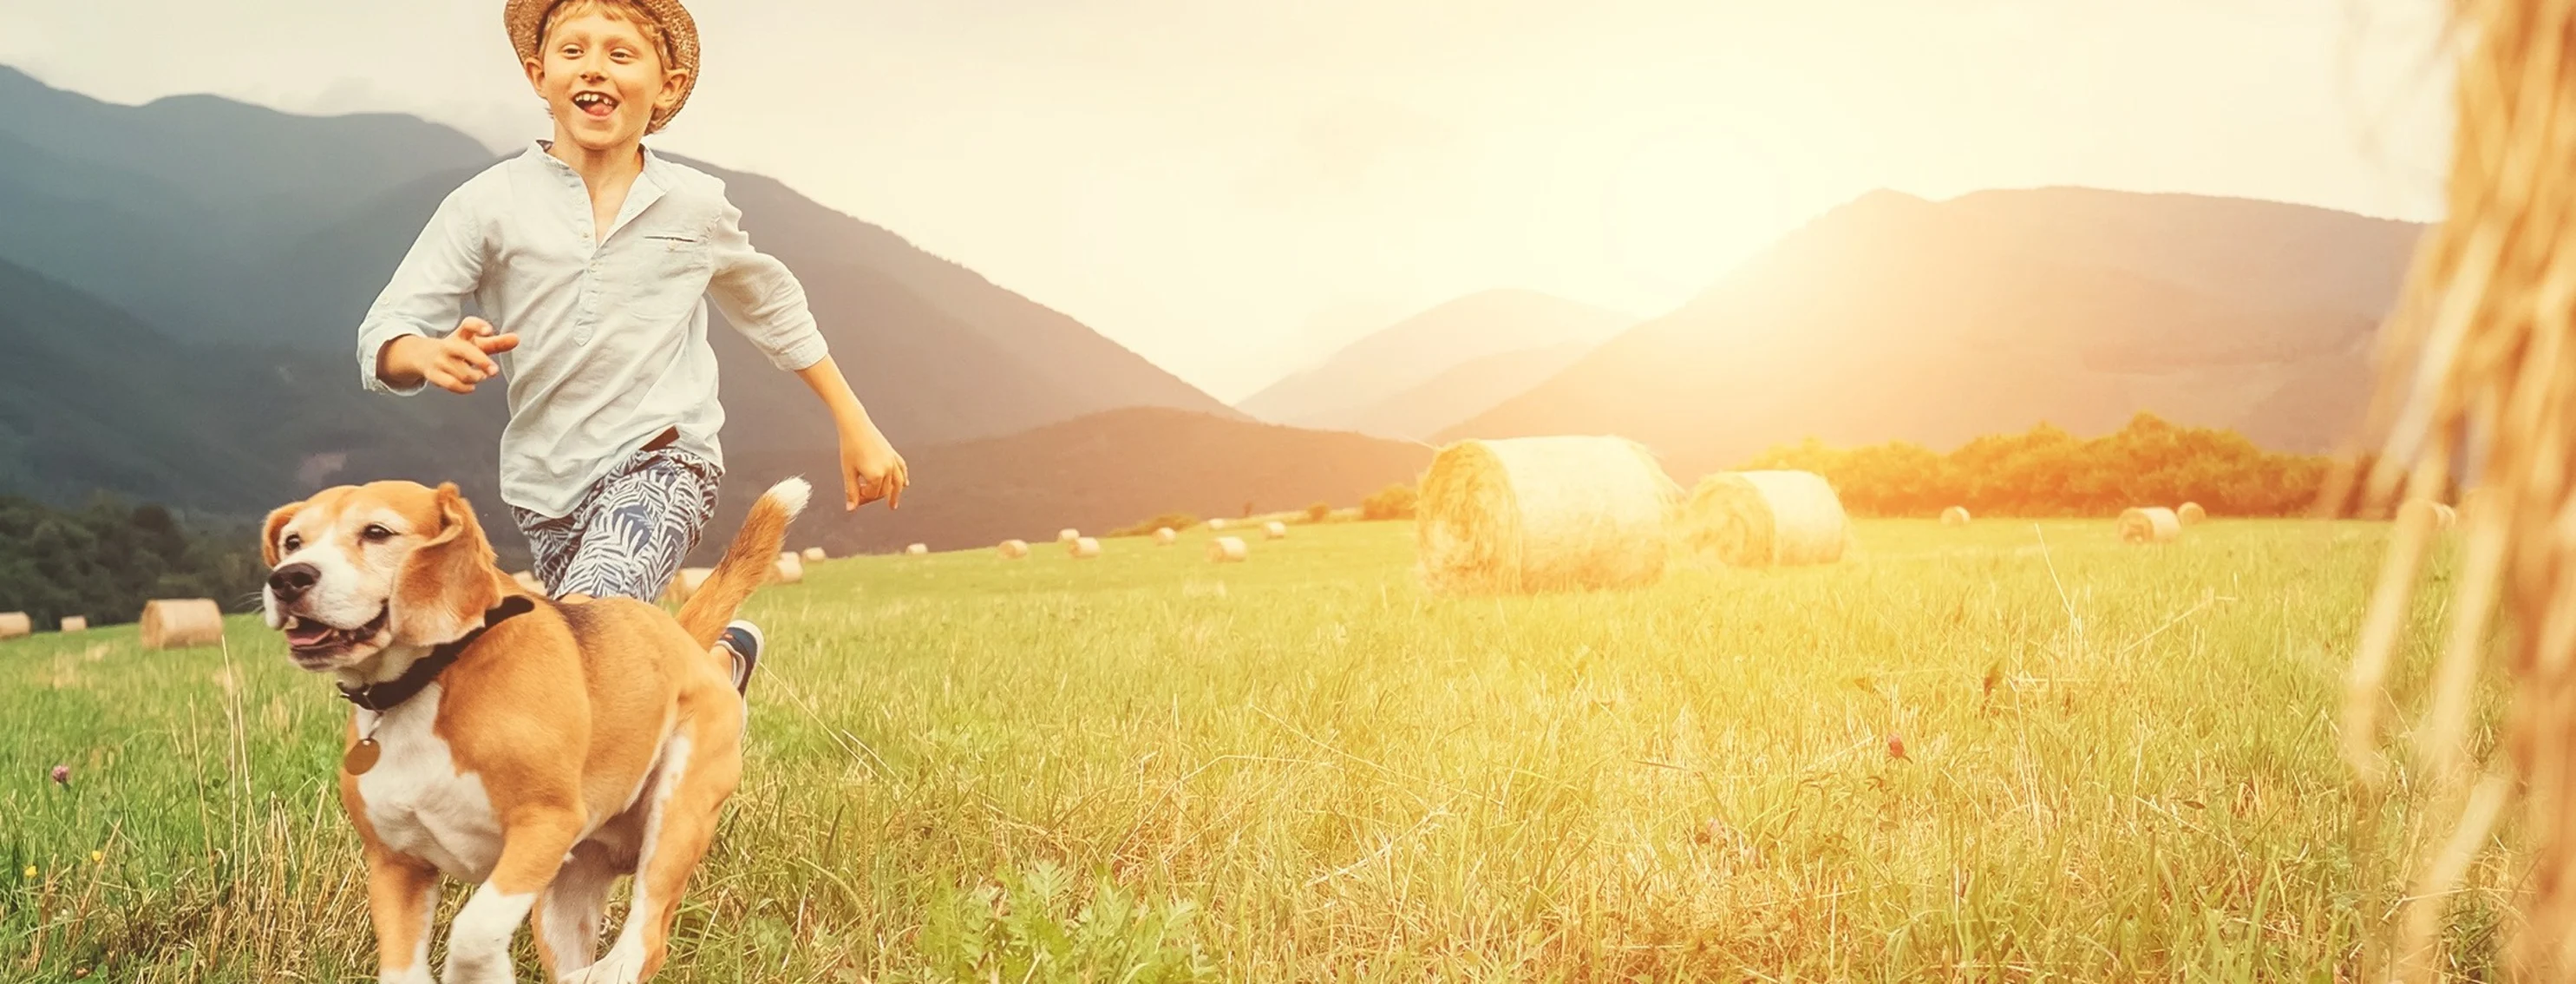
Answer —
1440 366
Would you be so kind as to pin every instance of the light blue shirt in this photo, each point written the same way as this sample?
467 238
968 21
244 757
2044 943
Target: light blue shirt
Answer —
612 330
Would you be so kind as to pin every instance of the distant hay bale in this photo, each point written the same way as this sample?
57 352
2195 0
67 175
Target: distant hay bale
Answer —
1165 537
75 623
2442 517
790 569
182 623
815 555
1013 549
1067 535
528 582
1274 530
1543 514
15 624
1767 519
2191 513
687 583
1954 516
1217 523
916 549
1083 548
1227 550
2149 524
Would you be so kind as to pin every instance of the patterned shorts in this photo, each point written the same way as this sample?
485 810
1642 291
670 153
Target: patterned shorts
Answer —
629 533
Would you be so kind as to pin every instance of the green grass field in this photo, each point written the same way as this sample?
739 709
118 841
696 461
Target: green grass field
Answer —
2118 765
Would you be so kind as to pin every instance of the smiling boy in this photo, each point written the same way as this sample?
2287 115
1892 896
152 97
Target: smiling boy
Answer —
595 257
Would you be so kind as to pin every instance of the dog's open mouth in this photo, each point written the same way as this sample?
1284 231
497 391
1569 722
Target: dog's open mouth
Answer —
310 639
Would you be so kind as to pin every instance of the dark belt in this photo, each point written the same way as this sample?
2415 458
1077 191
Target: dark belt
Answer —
665 439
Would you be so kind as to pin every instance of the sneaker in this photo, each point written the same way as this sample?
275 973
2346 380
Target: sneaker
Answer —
742 639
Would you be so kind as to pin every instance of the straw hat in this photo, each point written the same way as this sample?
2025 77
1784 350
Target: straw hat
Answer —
524 18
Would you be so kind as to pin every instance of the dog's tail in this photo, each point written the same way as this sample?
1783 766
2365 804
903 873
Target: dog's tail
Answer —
747 564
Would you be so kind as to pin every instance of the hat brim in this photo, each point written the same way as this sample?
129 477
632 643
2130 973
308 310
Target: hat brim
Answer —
524 18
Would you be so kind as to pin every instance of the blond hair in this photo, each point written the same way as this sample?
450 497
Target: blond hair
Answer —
625 10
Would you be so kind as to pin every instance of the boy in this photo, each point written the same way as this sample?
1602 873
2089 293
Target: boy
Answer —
595 256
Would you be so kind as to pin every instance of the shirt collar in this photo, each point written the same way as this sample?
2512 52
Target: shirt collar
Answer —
649 186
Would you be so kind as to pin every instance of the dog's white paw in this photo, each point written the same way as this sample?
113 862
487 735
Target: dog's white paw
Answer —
624 964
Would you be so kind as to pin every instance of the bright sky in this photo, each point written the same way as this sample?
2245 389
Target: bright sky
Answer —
1233 187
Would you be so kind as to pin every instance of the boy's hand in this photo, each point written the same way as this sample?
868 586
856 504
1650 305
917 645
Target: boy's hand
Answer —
454 363
870 468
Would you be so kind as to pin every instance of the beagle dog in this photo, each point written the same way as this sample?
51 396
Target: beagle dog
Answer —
537 748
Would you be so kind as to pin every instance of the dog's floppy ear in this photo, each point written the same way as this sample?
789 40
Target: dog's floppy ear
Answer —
448 582
277 520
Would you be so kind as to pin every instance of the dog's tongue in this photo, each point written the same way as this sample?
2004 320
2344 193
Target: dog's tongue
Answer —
307 633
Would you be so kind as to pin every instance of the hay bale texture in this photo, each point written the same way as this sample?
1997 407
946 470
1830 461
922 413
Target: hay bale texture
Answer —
1227 550
1083 548
1166 536
75 623
2149 524
1067 535
1217 523
15 624
686 584
815 555
2191 513
790 569
1274 530
1543 514
1954 516
916 549
182 623
1767 519
1012 549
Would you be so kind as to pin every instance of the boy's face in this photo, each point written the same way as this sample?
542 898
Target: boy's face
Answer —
602 79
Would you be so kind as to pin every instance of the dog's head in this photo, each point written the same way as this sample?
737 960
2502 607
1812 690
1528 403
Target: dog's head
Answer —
358 569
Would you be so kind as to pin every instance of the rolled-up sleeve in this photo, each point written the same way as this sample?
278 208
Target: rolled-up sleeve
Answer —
762 299
428 291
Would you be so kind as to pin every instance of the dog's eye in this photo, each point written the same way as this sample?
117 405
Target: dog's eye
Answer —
291 544
378 534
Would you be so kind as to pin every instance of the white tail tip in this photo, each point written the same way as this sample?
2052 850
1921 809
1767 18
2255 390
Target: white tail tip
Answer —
791 495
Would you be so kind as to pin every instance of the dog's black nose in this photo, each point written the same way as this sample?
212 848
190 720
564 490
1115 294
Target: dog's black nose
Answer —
293 580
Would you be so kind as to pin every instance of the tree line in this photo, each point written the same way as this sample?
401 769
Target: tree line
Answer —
106 558
2049 472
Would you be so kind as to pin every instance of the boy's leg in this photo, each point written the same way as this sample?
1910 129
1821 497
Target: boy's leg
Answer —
637 527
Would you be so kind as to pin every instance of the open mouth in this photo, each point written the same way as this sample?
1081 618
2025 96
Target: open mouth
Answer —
311 640
595 104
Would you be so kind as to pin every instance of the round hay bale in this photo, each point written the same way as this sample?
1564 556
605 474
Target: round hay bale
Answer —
2441 517
75 623
1013 549
1227 550
1083 548
2150 524
687 583
790 569
1767 518
1067 535
1954 516
1166 536
1274 530
916 549
1217 523
528 582
815 555
15 624
2191 513
182 623
1542 514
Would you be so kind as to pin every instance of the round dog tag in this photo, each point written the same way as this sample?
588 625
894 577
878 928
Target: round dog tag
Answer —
361 757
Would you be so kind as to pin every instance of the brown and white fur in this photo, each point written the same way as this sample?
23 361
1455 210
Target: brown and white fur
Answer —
582 741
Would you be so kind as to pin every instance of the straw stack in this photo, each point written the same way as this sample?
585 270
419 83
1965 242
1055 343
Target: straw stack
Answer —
1274 530
1083 548
916 549
686 583
815 555
182 623
1767 518
1013 549
1227 550
1954 516
2191 514
1217 523
1165 537
1067 535
1543 514
15 624
528 582
2149 524
75 623
790 569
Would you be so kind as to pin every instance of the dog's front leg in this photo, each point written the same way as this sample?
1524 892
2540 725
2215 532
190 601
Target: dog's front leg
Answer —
402 894
532 847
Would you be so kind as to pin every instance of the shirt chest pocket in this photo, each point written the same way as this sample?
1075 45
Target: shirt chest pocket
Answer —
668 273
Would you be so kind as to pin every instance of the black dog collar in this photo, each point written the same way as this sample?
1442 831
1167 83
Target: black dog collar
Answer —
382 697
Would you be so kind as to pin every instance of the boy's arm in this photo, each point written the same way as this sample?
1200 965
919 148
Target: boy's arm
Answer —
766 304
427 293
